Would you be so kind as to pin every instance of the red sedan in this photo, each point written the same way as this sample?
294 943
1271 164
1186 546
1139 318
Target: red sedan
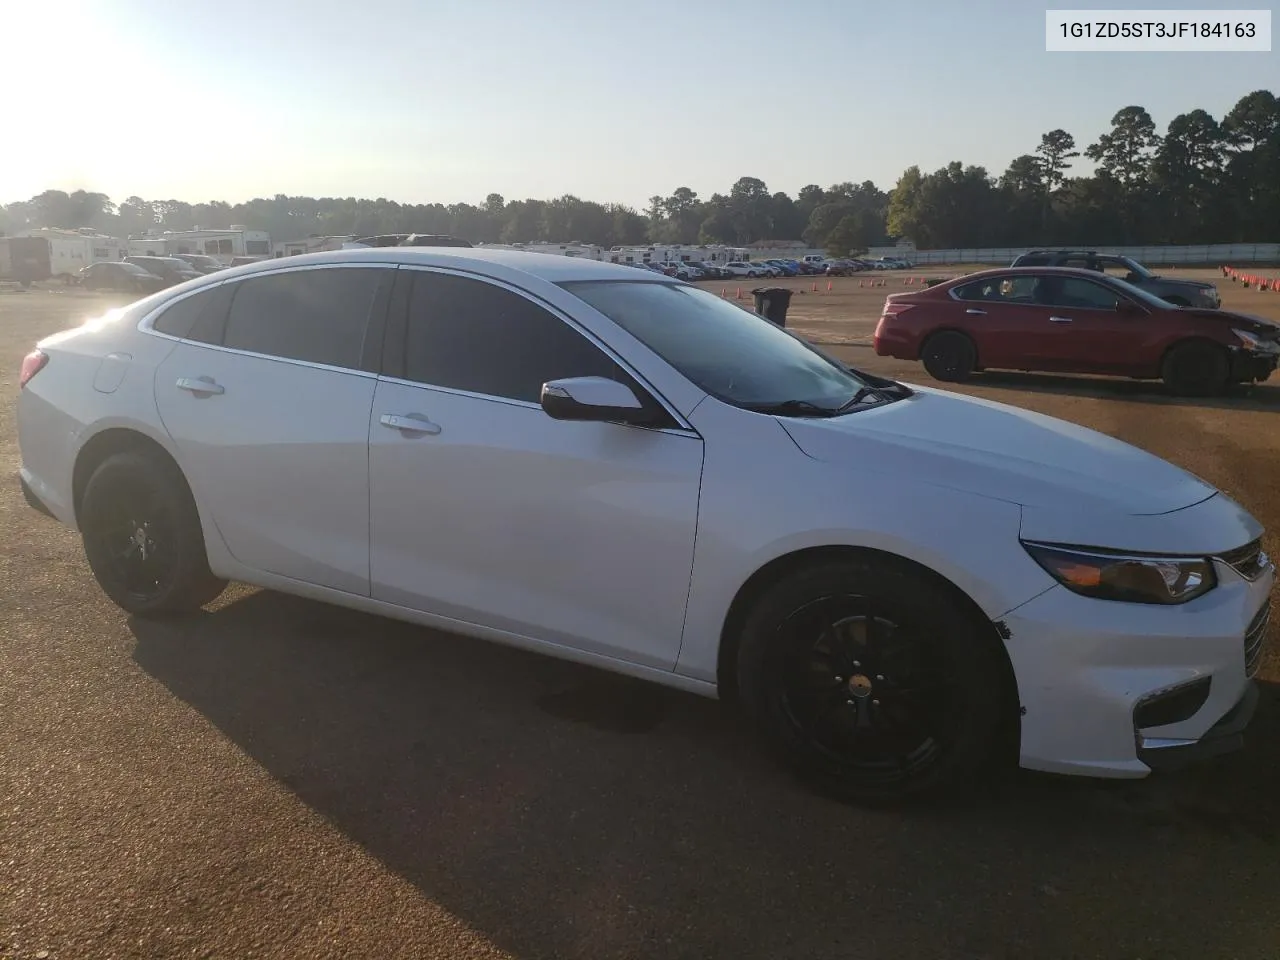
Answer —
1068 320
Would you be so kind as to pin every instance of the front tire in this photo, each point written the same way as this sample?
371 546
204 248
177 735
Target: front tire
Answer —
1196 368
871 681
949 356
142 537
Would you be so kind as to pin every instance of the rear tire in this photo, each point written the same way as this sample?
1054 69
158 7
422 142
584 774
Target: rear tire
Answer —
949 356
1196 368
142 537
872 682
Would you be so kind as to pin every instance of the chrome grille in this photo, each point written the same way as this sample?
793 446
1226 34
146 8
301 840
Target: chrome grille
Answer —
1255 639
1249 561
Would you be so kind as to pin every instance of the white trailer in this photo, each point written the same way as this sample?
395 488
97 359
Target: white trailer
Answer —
224 245
72 250
678 253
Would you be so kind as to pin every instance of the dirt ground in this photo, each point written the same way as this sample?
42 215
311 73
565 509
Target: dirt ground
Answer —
277 778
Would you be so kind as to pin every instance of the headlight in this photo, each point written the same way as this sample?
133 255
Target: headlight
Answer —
1116 576
1252 341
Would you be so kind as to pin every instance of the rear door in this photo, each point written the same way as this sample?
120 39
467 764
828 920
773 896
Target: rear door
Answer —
267 399
1086 333
1000 314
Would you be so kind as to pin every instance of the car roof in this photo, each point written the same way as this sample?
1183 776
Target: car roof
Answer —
1019 271
545 266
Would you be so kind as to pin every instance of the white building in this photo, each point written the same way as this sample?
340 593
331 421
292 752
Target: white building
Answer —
72 250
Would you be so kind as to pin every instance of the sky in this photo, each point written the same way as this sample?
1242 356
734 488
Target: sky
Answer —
449 100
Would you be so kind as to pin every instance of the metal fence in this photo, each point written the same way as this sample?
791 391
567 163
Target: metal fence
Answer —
1214 254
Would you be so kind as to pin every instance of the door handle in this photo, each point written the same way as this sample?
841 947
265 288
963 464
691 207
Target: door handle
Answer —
1059 319
201 386
974 311
409 423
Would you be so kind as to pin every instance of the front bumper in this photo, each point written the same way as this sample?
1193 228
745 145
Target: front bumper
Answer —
1249 365
1085 669
33 501
1225 736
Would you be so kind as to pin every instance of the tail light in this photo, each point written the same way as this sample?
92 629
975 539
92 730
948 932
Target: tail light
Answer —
893 307
32 364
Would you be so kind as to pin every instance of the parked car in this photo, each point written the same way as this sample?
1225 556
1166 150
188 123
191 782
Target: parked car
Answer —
119 275
839 268
1183 293
689 272
242 261
712 271
201 263
784 268
956 574
1073 321
170 269
743 268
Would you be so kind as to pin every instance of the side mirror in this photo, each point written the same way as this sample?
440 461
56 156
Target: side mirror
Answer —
1127 308
594 398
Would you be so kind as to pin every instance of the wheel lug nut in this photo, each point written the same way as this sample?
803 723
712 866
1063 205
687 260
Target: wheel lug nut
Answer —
857 664
879 676
849 702
875 703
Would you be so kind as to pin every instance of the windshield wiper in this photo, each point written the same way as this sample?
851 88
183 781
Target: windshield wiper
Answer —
791 408
857 398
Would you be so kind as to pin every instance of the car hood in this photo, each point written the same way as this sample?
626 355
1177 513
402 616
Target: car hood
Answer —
995 450
1179 282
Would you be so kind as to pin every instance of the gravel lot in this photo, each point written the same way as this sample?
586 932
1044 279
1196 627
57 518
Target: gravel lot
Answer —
277 778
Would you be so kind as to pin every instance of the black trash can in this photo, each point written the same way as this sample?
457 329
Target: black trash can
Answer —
772 303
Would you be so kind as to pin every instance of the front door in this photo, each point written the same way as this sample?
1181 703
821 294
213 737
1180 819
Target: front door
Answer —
486 510
1084 332
270 417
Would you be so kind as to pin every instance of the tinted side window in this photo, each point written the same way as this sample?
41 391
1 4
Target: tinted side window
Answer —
319 316
1075 292
471 335
179 319
998 289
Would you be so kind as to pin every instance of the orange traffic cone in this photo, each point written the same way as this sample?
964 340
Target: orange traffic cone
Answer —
815 286
828 286
724 292
739 294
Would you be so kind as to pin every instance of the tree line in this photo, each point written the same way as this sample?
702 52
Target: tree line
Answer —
1203 181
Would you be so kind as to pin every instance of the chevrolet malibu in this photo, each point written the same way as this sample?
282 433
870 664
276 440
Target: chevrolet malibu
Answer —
627 471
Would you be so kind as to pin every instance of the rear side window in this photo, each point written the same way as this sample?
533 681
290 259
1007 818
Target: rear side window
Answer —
317 316
471 335
179 319
997 289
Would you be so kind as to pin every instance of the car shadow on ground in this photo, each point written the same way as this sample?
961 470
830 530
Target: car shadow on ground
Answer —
564 812
1261 397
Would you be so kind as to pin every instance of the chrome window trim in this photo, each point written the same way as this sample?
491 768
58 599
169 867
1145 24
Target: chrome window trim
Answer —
685 428
145 325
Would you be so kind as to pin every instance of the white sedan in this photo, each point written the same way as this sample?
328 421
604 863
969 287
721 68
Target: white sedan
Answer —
631 472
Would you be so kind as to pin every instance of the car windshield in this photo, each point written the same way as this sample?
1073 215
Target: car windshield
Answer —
732 354
1135 267
1142 296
